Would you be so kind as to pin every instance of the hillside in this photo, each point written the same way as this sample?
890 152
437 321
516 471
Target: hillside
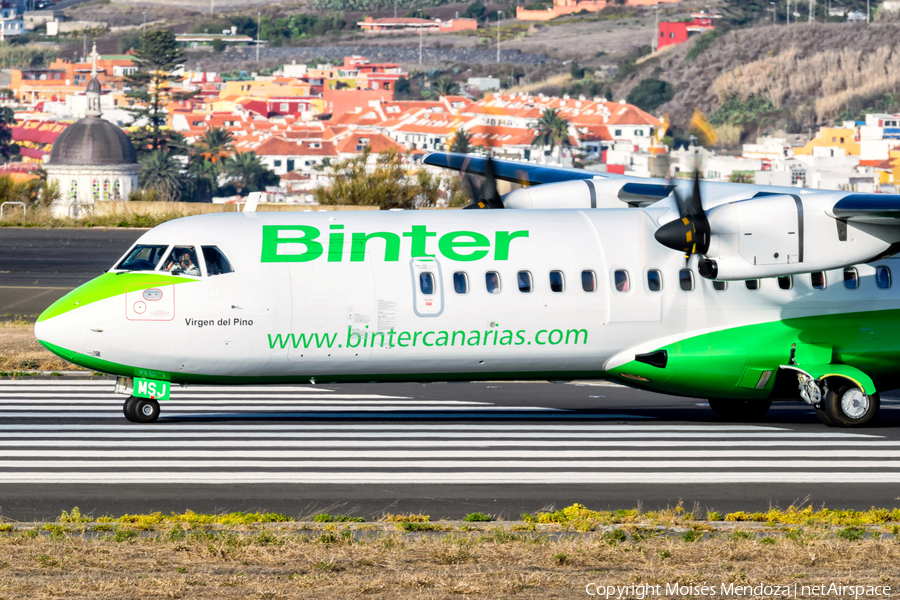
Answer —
779 77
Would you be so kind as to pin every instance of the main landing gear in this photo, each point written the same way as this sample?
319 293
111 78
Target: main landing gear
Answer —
730 409
141 410
847 406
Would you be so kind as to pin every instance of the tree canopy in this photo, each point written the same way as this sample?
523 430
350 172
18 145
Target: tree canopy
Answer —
650 94
159 54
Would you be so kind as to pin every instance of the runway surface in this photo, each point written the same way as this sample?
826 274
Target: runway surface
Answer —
39 266
450 449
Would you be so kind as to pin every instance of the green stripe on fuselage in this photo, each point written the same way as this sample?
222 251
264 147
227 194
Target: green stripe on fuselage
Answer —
107 286
712 365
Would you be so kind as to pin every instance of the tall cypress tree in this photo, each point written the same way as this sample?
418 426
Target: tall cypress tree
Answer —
157 57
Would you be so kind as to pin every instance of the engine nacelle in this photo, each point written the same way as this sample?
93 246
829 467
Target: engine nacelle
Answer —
779 235
588 193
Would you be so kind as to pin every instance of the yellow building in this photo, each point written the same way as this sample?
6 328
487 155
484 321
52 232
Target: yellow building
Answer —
276 86
832 137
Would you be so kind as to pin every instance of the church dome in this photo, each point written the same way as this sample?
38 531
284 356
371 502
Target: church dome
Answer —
92 141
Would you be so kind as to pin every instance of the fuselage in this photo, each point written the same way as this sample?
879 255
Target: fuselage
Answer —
462 295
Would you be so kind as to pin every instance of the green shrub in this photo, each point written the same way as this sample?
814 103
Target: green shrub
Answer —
851 534
477 517
614 536
323 518
650 94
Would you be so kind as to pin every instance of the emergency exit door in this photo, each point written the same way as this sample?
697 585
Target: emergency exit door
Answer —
428 288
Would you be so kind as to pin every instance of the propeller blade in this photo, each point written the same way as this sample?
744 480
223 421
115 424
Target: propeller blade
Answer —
486 194
689 233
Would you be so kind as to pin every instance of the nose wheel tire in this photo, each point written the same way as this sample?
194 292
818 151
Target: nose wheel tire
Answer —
730 409
849 406
141 410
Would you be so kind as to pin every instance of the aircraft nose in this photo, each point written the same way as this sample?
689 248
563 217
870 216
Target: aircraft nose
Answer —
56 328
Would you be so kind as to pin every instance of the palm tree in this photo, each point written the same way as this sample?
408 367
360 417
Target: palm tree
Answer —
446 87
202 180
160 172
248 173
551 130
462 141
215 144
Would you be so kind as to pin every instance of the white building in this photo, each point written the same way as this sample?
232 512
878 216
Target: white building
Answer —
92 160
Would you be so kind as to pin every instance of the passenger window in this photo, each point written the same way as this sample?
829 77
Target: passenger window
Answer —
426 283
216 263
492 282
182 261
686 280
557 281
621 278
752 284
851 278
654 280
142 258
524 279
817 280
589 281
786 282
883 277
720 286
460 283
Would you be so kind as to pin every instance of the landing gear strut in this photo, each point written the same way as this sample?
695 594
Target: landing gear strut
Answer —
141 410
730 409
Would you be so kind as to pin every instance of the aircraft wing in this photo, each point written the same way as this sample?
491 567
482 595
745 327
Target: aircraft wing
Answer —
508 170
880 209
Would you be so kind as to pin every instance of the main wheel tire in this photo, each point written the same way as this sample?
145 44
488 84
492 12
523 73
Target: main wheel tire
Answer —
824 418
128 409
146 410
730 409
848 406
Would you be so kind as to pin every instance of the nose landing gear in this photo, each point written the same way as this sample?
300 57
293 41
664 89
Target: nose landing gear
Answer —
141 410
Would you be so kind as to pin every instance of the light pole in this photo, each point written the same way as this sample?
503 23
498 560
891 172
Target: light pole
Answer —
498 36
258 33
773 9
144 23
420 45
656 31
868 9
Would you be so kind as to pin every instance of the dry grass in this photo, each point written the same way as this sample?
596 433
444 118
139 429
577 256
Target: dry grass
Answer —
374 561
832 78
20 351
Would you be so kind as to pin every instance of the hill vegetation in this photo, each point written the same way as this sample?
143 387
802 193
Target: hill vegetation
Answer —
777 77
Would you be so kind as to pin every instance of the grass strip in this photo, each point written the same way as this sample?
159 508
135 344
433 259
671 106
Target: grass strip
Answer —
546 555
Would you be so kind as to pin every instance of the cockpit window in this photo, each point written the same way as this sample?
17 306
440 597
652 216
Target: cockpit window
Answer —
182 261
142 258
216 263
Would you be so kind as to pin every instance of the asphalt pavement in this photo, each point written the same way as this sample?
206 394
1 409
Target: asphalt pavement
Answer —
444 449
39 266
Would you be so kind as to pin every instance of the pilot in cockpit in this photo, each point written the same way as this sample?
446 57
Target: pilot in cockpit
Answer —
183 260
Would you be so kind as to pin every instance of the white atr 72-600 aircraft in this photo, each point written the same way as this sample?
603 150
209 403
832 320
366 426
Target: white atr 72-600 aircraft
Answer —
748 295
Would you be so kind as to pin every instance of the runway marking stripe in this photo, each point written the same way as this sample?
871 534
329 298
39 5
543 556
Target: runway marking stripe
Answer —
580 455
662 428
460 477
460 442
431 464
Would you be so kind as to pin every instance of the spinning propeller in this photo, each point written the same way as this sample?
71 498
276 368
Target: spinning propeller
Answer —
483 194
690 232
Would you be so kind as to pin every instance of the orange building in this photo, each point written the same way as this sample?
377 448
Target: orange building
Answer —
568 7
412 25
62 77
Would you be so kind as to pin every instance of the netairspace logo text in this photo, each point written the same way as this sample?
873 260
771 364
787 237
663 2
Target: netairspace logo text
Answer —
793 590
